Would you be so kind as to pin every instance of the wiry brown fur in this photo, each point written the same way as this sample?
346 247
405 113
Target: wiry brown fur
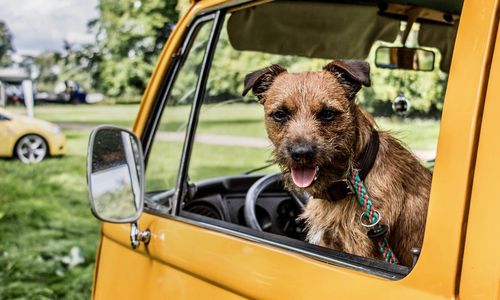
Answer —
398 184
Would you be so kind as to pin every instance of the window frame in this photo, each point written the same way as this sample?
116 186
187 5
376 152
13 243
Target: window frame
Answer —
169 79
329 256
161 99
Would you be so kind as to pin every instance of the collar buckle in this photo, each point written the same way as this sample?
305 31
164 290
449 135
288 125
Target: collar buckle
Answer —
340 189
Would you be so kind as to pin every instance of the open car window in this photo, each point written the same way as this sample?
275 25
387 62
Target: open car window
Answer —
231 151
165 155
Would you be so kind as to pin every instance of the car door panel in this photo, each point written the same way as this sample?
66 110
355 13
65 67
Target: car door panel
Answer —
142 276
251 269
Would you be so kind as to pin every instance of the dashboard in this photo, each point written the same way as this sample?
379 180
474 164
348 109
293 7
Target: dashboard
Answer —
223 199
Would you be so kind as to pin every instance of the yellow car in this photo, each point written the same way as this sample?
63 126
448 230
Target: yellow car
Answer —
29 139
209 221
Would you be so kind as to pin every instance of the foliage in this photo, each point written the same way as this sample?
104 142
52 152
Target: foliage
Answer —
425 90
130 37
131 34
6 44
230 66
77 62
227 119
80 63
48 70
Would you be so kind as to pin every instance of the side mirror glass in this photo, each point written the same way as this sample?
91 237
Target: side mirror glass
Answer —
416 59
115 175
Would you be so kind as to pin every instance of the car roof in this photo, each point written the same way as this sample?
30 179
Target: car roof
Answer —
448 6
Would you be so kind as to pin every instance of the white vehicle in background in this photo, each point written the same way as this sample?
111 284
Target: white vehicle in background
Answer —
15 83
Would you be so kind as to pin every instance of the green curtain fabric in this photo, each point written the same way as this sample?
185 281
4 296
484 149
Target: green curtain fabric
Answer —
441 37
314 29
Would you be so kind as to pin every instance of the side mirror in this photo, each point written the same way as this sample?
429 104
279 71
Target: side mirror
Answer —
115 175
416 59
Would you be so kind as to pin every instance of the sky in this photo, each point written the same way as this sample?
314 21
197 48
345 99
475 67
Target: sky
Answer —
42 25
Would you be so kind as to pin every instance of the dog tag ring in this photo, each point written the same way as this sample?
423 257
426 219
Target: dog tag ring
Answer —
375 213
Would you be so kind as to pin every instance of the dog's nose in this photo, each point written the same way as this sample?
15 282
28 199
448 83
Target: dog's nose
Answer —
302 151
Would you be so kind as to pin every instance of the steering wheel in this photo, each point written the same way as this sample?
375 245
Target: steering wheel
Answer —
253 194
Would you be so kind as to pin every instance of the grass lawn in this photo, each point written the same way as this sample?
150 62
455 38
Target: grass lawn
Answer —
207 161
44 214
122 115
49 236
416 134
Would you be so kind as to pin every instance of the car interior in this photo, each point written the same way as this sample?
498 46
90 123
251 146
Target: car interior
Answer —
248 197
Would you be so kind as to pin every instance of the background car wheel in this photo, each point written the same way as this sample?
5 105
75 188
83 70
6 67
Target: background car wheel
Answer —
31 148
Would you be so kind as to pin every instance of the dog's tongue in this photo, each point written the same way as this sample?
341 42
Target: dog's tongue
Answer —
303 176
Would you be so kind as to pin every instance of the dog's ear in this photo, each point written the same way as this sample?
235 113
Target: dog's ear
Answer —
351 73
260 80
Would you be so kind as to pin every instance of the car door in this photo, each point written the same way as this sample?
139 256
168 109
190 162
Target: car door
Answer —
191 257
116 266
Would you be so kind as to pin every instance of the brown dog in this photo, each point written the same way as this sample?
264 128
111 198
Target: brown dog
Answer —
319 134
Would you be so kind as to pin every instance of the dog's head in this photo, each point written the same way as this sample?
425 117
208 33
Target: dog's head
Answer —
310 118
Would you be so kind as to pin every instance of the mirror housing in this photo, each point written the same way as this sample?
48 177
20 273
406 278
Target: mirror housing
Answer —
115 175
415 59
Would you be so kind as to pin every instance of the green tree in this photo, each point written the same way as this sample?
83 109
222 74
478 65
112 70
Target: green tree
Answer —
79 63
6 44
130 36
48 67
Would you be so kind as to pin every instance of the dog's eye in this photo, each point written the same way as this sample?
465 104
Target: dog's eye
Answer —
279 116
326 114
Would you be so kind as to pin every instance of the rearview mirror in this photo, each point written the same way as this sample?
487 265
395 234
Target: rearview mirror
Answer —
115 175
416 59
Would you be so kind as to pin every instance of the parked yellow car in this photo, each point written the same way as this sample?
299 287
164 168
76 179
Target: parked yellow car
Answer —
191 234
29 139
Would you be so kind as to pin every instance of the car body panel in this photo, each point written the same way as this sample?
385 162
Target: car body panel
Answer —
18 126
481 266
251 269
260 270
156 278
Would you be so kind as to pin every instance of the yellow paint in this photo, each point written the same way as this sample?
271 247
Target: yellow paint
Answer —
149 278
481 266
185 261
18 126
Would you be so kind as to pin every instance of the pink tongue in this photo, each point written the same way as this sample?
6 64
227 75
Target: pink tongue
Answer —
303 176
